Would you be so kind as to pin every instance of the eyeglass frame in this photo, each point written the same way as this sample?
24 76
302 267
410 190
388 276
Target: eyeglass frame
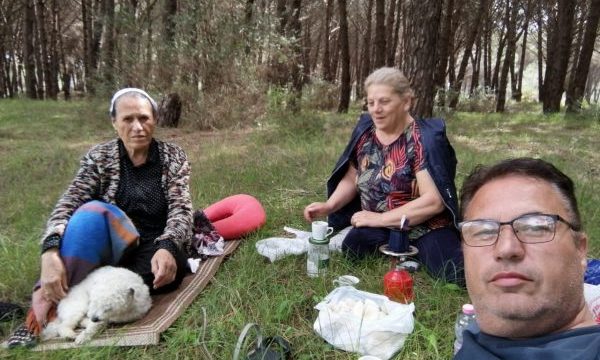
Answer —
554 217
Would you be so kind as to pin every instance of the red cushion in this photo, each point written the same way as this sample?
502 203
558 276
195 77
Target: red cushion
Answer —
236 216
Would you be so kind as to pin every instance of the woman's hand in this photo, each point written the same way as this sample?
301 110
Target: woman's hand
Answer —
366 219
164 268
53 278
316 210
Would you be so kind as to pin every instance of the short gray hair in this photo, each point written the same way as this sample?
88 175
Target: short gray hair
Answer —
391 77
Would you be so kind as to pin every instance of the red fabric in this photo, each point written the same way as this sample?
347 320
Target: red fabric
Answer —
236 216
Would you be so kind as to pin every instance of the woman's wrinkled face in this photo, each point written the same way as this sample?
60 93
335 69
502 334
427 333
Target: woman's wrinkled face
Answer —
386 107
134 122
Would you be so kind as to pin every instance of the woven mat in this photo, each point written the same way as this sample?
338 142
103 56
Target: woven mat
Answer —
166 308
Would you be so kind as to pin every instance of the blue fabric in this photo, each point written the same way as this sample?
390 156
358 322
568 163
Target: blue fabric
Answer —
97 234
439 250
441 165
592 273
576 344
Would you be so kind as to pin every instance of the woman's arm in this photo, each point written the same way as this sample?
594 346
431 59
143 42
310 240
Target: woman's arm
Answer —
179 217
343 194
421 209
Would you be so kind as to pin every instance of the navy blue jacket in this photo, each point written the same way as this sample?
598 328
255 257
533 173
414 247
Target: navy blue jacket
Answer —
439 155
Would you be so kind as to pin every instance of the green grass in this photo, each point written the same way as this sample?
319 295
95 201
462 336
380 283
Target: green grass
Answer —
284 162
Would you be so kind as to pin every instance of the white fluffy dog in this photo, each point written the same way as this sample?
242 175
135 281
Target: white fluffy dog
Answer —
107 295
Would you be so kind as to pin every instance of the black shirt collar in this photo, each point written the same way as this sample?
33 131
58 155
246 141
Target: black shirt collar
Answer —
153 155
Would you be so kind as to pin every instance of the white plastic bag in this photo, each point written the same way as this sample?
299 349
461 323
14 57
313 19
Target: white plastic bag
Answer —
362 322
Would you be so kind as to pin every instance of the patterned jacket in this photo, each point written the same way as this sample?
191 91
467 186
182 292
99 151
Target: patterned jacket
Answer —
98 179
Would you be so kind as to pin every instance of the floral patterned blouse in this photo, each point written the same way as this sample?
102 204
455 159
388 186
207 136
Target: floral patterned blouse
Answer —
387 175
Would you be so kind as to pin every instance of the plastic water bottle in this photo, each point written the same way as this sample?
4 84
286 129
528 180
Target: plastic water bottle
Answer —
464 318
398 285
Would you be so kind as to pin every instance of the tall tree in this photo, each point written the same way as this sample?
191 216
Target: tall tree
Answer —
380 36
559 50
345 58
443 50
29 50
366 48
389 41
109 44
296 69
577 87
510 20
327 73
472 34
525 28
423 53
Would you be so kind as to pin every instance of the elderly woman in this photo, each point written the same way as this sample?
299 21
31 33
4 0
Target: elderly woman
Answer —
128 205
396 166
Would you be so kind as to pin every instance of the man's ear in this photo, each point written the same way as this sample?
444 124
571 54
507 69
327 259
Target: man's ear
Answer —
581 244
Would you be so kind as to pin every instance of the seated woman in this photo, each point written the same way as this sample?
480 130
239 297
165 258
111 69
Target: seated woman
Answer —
396 166
128 205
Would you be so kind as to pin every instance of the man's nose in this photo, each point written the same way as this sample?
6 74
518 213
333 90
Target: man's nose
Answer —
508 245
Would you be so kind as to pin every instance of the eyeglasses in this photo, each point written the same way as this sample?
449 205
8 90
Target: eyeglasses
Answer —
529 229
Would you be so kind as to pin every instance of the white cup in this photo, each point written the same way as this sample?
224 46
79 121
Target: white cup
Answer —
321 230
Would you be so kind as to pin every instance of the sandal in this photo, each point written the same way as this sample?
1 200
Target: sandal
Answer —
9 311
270 348
22 337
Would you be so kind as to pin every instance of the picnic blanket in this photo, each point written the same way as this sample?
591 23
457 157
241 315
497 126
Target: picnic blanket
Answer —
166 308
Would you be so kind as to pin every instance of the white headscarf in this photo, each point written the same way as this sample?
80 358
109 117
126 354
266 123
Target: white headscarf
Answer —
119 93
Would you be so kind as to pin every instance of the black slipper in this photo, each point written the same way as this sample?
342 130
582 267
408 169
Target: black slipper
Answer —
22 337
9 311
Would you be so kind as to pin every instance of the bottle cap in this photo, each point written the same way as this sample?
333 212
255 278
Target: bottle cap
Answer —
468 309
318 242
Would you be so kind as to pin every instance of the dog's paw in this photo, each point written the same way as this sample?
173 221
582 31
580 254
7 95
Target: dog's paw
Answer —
82 338
67 333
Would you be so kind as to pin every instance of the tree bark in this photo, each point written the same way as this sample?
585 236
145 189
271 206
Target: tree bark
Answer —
540 52
169 111
366 49
296 33
443 52
519 87
575 95
471 37
559 44
511 14
327 75
108 48
423 51
379 34
389 25
345 58
29 50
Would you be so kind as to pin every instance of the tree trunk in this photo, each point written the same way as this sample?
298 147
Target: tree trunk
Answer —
108 49
345 58
29 50
391 51
166 72
585 57
558 56
511 14
540 52
519 93
366 49
380 36
296 34
443 50
423 50
470 40
327 74
476 64
499 53
169 111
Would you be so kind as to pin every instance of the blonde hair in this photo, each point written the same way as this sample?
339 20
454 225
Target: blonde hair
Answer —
391 77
